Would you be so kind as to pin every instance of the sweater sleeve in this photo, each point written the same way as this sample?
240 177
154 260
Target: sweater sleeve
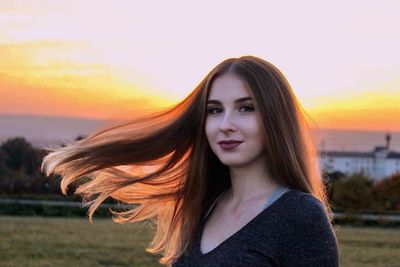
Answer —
310 239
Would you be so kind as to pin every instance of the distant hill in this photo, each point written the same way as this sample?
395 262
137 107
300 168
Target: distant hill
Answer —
47 131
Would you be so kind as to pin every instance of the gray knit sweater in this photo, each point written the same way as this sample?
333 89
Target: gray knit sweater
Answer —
291 231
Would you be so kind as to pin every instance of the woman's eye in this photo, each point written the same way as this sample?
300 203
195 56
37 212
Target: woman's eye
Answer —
213 110
247 108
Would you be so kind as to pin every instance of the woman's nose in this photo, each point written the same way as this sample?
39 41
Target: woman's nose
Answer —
227 123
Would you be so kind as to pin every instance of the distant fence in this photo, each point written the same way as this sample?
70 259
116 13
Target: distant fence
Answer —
337 215
50 203
368 217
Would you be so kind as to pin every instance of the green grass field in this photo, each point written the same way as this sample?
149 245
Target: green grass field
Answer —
44 241
369 246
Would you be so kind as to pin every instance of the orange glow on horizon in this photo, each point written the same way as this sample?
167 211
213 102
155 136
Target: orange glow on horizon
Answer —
96 99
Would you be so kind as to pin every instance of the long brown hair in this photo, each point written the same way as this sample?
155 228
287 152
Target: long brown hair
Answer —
163 163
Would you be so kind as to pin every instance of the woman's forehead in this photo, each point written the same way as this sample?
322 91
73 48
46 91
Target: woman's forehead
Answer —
228 87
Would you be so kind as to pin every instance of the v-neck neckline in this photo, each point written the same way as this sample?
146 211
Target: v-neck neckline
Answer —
228 239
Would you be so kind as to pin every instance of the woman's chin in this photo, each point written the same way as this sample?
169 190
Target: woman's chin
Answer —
233 162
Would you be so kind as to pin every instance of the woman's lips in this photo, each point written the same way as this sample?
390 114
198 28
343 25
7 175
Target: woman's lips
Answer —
229 146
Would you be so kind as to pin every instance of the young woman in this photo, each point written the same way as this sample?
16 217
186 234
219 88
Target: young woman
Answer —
230 175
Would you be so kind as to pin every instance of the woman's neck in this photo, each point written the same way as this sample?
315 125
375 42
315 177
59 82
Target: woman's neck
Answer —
249 183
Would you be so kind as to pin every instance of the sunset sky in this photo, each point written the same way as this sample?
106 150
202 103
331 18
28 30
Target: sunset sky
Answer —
94 59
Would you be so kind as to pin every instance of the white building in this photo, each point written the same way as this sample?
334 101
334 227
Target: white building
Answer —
377 164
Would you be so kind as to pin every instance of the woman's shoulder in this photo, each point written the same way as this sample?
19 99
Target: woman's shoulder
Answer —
303 206
307 234
303 200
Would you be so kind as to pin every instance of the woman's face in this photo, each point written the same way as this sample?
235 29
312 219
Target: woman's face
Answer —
231 116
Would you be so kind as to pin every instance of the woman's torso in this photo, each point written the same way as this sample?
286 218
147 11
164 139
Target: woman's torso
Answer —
219 225
218 253
292 231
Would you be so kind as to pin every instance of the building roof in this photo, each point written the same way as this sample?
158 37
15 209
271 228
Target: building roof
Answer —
393 155
347 154
338 154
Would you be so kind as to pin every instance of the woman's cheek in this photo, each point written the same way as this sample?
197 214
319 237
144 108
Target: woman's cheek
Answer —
208 131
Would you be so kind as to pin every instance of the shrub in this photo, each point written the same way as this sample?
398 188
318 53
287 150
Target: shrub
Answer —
352 193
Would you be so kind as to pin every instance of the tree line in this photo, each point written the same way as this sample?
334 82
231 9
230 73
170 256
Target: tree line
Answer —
359 193
20 174
20 169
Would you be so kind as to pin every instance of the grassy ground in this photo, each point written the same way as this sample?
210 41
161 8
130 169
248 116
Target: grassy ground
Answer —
44 241
367 246
41 241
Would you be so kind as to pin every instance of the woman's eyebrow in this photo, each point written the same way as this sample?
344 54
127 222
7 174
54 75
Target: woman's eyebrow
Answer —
239 100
